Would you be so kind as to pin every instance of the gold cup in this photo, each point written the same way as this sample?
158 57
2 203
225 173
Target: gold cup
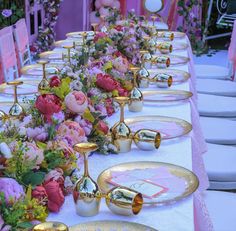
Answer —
136 96
146 59
16 110
163 80
161 61
143 77
124 201
50 226
44 84
165 47
86 194
146 139
166 35
120 133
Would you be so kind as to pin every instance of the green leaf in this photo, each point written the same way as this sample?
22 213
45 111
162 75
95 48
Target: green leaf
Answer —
88 116
33 178
24 225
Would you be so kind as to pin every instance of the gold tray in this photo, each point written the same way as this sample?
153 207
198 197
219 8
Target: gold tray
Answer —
169 127
175 60
36 70
166 96
110 225
179 76
24 89
189 181
177 46
68 42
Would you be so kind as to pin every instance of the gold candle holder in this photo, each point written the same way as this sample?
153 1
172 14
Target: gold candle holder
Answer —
165 48
124 201
120 133
16 110
68 47
163 80
146 139
50 226
86 194
44 84
136 96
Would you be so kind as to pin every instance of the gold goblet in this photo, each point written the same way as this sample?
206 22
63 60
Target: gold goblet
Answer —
3 116
153 17
165 47
120 133
146 139
86 194
16 110
68 47
166 35
50 226
146 59
124 201
163 80
136 96
161 61
44 84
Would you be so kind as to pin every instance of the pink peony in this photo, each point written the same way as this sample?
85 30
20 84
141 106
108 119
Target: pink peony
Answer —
40 194
109 107
72 132
76 102
85 124
102 127
12 190
106 82
55 175
33 153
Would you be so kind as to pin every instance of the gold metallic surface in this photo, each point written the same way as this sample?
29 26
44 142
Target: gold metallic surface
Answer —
50 226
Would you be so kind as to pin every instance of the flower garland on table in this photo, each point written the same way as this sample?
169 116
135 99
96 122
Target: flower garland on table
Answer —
46 35
37 162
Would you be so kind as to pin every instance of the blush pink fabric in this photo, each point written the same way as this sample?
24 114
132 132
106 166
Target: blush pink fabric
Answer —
21 35
232 50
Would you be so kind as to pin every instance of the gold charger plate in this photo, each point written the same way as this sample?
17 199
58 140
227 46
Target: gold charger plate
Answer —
110 225
179 182
169 127
166 96
175 60
178 76
24 89
36 70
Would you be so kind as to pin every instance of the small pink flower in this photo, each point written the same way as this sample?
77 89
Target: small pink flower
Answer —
76 102
121 64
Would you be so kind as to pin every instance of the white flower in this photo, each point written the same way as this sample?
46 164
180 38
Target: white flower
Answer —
5 150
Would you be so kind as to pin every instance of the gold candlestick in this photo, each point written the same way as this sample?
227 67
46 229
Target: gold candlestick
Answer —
50 226
121 133
136 96
87 196
44 84
16 110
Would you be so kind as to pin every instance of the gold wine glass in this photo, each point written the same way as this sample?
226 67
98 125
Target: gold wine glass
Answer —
163 80
3 116
44 84
68 47
120 133
16 110
86 194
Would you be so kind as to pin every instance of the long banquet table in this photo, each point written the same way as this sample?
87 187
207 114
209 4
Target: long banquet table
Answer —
188 214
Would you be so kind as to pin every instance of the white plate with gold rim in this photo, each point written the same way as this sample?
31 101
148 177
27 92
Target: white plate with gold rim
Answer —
36 70
24 89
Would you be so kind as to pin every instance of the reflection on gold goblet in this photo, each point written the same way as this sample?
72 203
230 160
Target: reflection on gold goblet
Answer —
50 226
86 194
163 80
16 110
120 133
3 116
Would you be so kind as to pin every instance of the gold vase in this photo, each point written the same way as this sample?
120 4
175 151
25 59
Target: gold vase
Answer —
86 194
44 85
16 111
120 133
136 96
50 226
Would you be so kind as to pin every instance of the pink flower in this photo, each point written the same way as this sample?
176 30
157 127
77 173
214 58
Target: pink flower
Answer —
106 82
99 36
102 127
121 64
55 175
55 81
76 102
109 107
71 131
37 133
85 124
33 153
12 190
40 194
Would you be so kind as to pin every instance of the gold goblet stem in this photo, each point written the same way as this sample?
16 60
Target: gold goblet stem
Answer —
122 117
44 70
68 51
15 94
86 171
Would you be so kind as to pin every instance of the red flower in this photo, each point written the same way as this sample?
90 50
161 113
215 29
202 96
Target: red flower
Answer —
56 197
102 126
48 104
119 28
99 35
106 82
109 107
40 194
55 175
55 81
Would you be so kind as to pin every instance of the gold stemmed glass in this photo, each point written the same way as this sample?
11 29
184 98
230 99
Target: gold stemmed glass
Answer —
165 47
3 116
120 133
163 80
68 47
16 110
143 74
136 96
50 226
86 194
153 17
44 84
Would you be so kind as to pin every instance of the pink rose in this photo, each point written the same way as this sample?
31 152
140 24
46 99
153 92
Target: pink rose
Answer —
55 194
12 190
99 35
76 102
106 82
102 127
109 107
55 175
40 194
121 64
33 153
72 132
55 81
